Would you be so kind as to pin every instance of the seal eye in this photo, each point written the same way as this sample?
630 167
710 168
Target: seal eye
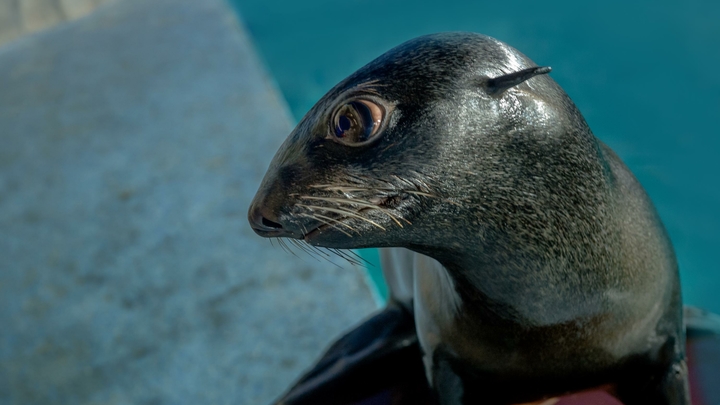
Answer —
356 122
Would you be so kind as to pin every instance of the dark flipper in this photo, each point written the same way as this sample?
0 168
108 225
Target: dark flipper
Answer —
700 366
657 380
378 362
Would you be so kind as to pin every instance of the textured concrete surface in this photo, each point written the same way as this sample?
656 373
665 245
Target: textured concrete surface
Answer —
21 17
132 143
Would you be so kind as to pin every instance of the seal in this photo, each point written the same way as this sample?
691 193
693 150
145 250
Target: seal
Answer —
528 257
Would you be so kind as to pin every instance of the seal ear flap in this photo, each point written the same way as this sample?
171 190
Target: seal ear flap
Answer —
499 84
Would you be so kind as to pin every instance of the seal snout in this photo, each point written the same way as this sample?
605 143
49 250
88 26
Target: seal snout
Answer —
266 224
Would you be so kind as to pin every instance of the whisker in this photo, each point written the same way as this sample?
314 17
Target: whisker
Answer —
358 179
350 256
405 181
361 203
287 248
319 217
305 231
317 252
300 246
356 256
324 219
335 187
335 220
452 202
282 245
418 193
350 189
341 211
309 250
337 253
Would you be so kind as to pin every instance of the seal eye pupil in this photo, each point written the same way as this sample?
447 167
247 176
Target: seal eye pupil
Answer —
349 122
357 121
344 124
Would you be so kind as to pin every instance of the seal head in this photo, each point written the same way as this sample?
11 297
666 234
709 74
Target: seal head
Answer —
420 117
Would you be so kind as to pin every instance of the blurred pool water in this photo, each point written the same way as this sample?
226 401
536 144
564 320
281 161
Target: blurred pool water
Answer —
644 74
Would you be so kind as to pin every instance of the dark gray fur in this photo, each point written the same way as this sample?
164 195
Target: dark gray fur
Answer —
565 275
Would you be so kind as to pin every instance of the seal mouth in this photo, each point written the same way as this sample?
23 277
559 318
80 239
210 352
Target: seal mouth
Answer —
340 225
309 236
349 221
337 225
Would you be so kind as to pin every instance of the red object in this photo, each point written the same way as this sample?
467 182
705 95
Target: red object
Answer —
588 398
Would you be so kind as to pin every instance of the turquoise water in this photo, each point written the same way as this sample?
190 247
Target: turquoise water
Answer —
644 76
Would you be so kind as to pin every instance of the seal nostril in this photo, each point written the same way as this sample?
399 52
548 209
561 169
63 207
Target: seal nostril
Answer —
271 224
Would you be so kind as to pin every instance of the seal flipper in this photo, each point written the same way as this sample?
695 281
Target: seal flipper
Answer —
657 378
381 354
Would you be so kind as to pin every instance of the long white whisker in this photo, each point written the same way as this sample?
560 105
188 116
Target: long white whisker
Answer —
341 211
361 203
325 220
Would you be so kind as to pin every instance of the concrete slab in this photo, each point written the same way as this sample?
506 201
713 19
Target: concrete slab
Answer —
132 143
23 17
